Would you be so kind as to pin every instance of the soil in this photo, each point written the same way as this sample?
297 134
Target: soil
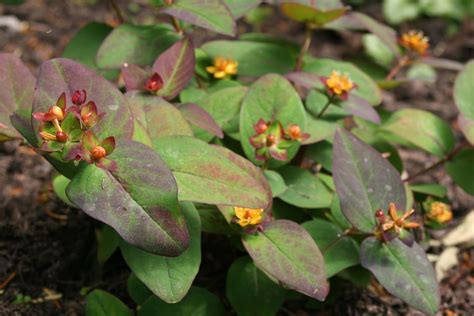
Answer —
45 246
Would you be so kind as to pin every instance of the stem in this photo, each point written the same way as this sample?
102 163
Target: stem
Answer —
117 10
324 108
176 25
265 164
401 63
440 162
304 48
5 283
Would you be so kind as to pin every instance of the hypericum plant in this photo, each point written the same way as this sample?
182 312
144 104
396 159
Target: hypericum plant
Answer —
319 194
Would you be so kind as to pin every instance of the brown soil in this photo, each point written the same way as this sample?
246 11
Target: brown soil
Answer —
46 244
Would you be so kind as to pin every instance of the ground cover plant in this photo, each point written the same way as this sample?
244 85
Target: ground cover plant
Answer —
286 155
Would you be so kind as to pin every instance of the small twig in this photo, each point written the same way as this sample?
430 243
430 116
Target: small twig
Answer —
7 280
320 114
400 64
304 48
59 217
176 25
440 162
117 11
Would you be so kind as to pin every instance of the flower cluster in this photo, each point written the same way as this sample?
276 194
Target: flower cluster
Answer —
392 226
338 84
439 212
223 68
248 216
415 41
66 130
272 140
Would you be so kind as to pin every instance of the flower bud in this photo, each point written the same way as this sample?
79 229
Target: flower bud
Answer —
61 137
261 127
98 152
154 83
79 97
57 112
270 140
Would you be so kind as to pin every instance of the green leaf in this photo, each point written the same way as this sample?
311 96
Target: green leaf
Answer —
339 253
169 278
137 290
139 196
304 189
239 8
159 117
287 253
377 50
250 291
276 182
397 11
365 181
101 303
433 189
321 153
367 88
212 220
255 58
224 106
176 68
419 129
270 98
198 302
315 13
461 169
135 44
209 14
464 98
208 176
318 130
423 72
107 243
60 183
404 271
83 47
17 86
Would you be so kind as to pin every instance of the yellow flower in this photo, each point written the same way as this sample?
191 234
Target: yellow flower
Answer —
440 212
248 216
223 67
415 41
339 84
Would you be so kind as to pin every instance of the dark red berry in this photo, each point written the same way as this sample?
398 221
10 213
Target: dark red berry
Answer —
379 213
61 137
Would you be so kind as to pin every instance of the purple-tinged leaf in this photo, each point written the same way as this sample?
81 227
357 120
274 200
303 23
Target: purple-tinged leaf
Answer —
305 79
360 107
159 117
61 75
138 199
442 63
176 68
404 271
315 13
134 77
365 181
169 278
199 117
17 86
464 99
205 175
386 34
287 253
209 14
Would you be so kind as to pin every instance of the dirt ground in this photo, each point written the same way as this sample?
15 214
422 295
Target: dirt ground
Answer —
46 245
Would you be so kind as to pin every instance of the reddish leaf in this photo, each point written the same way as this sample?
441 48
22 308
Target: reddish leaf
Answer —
287 253
61 75
199 117
134 77
16 92
176 68
360 107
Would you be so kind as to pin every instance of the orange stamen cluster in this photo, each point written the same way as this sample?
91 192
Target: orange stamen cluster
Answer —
223 68
248 216
415 41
